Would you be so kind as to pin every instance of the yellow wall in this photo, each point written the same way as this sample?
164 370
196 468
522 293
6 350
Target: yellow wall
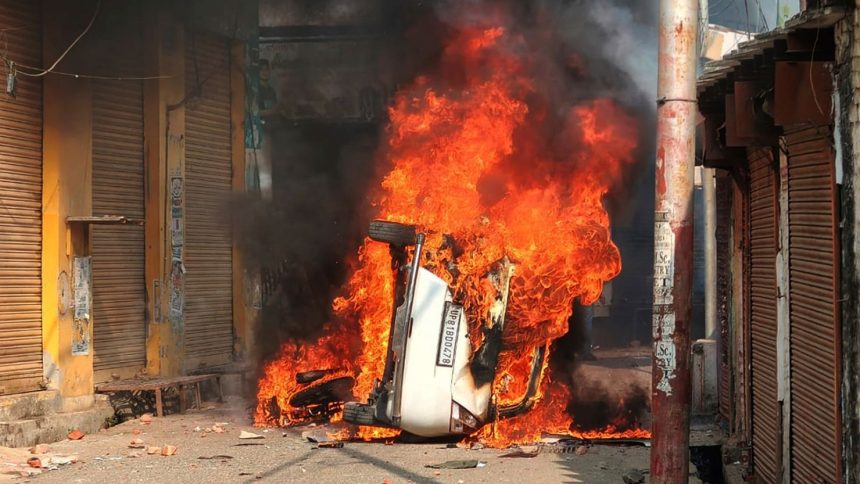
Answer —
67 190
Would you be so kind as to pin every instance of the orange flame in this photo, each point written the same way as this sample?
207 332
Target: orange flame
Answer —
470 163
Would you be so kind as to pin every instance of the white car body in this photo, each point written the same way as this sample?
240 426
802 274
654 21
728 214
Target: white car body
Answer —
434 379
434 384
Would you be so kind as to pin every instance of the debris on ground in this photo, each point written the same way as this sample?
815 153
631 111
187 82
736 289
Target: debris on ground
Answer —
76 435
633 476
457 464
136 444
215 457
146 418
153 450
34 462
39 449
168 450
581 450
525 452
250 435
316 436
61 460
330 445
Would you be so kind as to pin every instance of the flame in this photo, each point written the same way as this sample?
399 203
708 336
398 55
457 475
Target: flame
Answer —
469 162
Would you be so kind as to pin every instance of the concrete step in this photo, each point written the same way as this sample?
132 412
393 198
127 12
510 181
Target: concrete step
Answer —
22 406
54 426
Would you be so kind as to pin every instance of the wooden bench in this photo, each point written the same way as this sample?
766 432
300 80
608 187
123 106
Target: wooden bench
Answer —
158 385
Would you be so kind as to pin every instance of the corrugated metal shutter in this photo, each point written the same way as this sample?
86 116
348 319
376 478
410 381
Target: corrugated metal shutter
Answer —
208 175
119 300
21 204
723 242
815 315
763 299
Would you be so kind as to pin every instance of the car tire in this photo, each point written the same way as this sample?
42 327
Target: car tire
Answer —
392 233
359 414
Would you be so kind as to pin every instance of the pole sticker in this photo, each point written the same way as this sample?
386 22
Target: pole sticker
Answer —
663 324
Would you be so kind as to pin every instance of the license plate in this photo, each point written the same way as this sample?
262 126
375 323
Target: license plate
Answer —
448 338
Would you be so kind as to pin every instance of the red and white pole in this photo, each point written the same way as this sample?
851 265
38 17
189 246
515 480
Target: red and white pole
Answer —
673 241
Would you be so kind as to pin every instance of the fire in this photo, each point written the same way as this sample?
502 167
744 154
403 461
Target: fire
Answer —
470 161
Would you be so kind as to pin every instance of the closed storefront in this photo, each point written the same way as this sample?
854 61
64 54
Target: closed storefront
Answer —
119 298
783 91
814 307
119 301
208 248
763 238
21 204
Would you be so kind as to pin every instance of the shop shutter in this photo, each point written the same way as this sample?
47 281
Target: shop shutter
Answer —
21 204
119 300
766 443
208 173
814 307
723 242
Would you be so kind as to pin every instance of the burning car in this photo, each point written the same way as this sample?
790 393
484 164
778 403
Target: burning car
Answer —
436 330
433 383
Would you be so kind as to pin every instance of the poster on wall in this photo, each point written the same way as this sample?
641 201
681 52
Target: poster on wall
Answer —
82 296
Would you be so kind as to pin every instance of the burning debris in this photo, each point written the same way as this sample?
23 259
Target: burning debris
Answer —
490 159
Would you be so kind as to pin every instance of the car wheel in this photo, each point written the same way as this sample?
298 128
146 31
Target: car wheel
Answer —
359 414
392 233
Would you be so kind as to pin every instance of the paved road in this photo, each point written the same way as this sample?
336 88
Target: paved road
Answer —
283 456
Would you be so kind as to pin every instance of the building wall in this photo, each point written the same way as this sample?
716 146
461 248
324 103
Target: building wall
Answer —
848 153
67 183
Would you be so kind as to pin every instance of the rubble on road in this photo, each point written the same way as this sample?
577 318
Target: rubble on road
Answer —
633 476
76 435
39 449
316 436
250 435
522 452
216 457
457 464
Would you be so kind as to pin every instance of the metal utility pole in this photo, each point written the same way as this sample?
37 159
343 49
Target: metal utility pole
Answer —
673 240
710 201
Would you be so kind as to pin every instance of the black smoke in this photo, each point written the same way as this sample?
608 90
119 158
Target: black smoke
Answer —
306 237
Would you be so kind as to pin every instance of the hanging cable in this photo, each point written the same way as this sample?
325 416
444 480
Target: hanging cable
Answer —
68 49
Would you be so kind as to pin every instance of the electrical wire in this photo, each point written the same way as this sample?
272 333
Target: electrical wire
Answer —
100 77
762 17
18 68
69 48
811 63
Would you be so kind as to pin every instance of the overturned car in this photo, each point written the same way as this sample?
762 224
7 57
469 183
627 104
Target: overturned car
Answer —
434 384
